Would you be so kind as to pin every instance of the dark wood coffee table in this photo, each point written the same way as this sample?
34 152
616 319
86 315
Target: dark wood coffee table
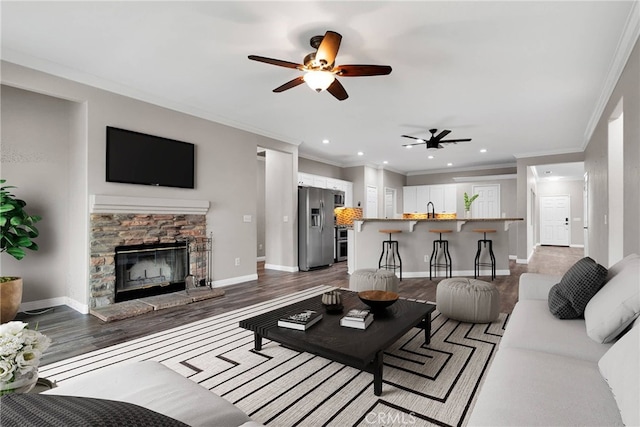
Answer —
361 349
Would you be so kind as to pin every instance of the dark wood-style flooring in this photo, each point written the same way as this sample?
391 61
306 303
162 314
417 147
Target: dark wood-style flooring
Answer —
73 333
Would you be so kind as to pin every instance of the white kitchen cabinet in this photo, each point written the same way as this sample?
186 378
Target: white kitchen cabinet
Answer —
451 198
348 194
310 180
305 179
319 181
417 197
409 204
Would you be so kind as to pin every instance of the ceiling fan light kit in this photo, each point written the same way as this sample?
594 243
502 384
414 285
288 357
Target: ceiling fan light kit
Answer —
320 72
318 80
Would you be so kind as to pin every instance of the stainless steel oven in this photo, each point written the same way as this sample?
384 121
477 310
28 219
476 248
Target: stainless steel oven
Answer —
341 244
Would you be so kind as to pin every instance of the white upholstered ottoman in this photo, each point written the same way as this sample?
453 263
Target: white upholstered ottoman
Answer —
468 300
371 279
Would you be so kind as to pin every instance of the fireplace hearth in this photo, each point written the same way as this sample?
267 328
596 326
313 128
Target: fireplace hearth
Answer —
150 269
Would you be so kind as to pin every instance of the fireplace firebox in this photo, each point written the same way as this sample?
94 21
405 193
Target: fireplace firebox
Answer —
150 269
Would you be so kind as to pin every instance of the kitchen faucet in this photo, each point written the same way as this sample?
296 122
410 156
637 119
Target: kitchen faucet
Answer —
431 214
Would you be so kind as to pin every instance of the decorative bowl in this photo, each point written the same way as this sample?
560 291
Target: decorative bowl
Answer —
378 300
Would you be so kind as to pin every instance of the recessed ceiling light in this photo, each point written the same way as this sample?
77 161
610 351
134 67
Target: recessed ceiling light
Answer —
360 153
325 141
409 147
449 164
385 162
429 157
484 150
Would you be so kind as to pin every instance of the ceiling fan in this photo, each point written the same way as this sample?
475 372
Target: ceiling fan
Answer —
319 69
435 141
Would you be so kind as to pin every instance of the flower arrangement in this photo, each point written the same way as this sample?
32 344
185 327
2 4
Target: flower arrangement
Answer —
20 352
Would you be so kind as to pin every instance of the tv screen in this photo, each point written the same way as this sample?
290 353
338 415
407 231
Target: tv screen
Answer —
138 158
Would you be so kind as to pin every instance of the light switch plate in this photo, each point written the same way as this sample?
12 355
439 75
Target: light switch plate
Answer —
247 218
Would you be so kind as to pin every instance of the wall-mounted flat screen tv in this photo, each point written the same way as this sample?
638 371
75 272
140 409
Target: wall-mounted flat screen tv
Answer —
138 158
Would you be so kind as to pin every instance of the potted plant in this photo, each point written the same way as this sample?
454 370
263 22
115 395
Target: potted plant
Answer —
17 231
467 204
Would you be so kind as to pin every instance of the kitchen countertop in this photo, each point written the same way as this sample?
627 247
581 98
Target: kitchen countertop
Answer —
412 222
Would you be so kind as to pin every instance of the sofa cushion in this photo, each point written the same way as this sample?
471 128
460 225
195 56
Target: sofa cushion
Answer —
620 265
526 388
154 386
532 326
616 305
536 286
579 284
620 367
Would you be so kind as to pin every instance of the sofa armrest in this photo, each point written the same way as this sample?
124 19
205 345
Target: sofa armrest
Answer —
154 386
536 286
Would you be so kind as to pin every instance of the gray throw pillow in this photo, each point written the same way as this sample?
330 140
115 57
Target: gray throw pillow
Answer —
568 299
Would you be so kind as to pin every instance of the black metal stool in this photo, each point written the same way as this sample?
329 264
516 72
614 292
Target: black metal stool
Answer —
483 242
440 247
390 253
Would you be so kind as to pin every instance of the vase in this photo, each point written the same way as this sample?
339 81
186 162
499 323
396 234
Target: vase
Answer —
10 299
332 301
22 383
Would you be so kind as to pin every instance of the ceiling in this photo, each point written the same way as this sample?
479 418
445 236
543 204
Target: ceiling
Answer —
519 78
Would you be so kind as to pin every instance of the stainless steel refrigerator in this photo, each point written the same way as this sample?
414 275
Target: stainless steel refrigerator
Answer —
315 227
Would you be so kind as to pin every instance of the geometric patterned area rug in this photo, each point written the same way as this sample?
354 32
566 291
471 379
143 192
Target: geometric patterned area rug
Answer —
277 386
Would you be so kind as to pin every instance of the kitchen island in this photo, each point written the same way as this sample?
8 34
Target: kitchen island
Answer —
415 244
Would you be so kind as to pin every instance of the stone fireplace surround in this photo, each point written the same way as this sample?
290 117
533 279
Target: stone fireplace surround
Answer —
124 220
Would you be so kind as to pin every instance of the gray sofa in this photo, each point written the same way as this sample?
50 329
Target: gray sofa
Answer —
556 372
154 386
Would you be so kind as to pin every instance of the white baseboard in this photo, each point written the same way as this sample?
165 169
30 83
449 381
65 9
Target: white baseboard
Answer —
522 261
286 268
53 302
576 246
234 280
261 258
513 257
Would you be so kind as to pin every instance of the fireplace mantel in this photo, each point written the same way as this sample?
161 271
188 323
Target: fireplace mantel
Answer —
100 203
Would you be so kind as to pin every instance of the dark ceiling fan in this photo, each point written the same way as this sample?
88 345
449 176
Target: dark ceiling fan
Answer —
435 141
320 71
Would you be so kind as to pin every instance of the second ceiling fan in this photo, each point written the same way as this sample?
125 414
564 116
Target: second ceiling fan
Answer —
320 71
435 141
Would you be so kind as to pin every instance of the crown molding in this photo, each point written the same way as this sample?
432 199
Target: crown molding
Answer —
630 36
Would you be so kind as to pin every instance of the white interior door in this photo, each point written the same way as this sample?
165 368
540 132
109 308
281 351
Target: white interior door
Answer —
372 202
554 220
487 205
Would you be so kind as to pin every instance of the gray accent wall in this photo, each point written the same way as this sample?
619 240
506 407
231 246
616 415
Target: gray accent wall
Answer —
68 130
627 89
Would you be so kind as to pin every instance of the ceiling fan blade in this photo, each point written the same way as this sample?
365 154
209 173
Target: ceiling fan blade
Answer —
328 48
336 89
413 137
411 145
442 134
455 141
288 85
277 62
362 70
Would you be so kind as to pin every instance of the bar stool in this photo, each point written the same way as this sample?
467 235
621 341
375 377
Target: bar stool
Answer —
440 247
483 242
390 253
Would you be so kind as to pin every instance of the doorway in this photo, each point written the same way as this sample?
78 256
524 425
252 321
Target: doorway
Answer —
554 220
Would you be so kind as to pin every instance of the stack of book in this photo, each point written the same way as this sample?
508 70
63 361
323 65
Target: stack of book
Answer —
359 319
300 321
